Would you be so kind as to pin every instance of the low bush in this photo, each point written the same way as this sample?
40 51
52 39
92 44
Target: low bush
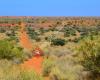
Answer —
58 42
89 53
47 66
10 51
2 30
10 71
64 68
32 33
69 31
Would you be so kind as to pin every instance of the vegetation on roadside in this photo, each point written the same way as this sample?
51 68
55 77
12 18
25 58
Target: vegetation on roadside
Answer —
10 71
89 54
71 48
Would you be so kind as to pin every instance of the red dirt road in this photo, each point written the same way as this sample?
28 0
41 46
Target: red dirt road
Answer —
24 41
34 63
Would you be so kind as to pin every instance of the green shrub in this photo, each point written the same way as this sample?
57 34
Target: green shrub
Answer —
9 51
32 33
50 38
53 29
42 30
76 40
68 31
47 66
58 42
2 30
38 39
89 53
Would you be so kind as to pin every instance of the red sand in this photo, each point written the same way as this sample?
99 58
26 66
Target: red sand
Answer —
35 62
24 41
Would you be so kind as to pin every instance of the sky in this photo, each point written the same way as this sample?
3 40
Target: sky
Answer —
49 7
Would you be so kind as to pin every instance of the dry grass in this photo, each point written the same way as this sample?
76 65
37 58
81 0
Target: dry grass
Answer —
10 71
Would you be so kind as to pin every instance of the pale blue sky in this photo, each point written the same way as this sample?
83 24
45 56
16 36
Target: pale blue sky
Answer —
49 7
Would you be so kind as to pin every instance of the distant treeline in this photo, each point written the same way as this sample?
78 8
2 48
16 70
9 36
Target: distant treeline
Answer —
50 21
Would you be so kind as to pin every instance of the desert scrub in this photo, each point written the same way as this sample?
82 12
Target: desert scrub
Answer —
58 51
66 68
10 51
30 75
47 66
10 71
58 42
68 31
88 51
62 68
32 33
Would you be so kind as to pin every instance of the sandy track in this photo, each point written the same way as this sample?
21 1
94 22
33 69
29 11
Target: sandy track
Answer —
34 63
